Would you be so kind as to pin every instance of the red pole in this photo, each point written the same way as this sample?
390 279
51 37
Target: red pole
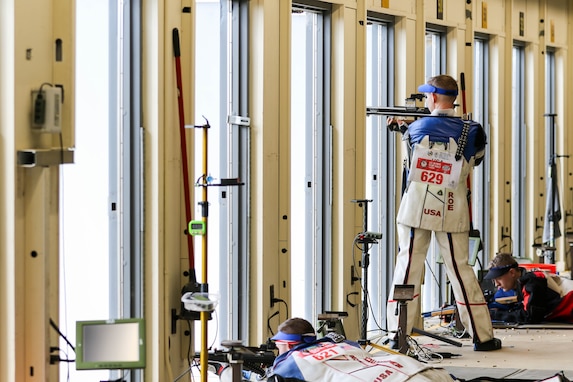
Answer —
465 116
463 87
185 167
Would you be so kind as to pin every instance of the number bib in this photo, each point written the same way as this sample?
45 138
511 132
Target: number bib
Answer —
435 167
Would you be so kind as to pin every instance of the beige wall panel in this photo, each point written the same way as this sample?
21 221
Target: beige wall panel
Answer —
36 33
530 22
498 140
33 33
452 12
175 257
455 11
166 249
430 8
270 148
185 330
557 22
64 67
494 13
35 192
394 6
456 57
344 21
41 264
156 236
347 3
517 7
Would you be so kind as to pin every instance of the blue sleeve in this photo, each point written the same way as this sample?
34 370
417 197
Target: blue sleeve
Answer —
286 367
441 129
499 294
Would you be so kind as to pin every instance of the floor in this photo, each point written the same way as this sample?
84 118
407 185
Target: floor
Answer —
533 352
529 353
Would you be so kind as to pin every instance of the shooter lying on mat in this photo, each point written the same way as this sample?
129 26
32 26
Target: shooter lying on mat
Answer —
528 296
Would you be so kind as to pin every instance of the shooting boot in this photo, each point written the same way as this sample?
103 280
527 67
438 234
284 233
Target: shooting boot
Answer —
493 344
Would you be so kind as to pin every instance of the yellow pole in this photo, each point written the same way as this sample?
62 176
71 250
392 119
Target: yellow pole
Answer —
204 315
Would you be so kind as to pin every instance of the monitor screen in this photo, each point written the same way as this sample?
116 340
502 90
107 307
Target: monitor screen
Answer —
110 344
474 248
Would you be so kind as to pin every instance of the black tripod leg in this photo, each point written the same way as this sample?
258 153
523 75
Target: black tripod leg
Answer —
446 340
402 325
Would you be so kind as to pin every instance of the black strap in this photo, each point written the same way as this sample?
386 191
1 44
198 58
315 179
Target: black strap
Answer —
463 141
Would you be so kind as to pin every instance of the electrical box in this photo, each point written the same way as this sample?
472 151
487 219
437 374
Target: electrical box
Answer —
47 110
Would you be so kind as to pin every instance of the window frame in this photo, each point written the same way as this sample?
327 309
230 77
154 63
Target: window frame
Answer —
519 137
381 166
315 250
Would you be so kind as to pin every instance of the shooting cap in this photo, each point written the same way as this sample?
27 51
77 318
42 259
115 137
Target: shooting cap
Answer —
427 88
442 84
495 272
292 337
295 330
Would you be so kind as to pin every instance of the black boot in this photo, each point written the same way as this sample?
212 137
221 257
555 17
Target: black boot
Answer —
493 344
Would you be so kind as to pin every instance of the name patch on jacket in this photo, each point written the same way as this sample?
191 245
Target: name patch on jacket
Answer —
435 167
342 362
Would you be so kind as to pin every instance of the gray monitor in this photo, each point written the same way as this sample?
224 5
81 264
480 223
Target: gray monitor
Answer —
110 344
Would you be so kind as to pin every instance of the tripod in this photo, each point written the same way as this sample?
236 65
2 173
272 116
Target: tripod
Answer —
365 238
403 294
553 209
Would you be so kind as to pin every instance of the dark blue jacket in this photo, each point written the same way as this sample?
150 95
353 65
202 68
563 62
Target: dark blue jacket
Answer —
441 129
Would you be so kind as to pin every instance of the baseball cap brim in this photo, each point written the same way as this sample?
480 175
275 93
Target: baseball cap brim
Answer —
496 272
291 337
427 88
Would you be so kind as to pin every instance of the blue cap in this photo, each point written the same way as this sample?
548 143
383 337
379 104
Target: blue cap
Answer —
427 88
495 272
293 337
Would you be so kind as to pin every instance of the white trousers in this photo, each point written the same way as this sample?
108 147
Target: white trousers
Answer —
454 248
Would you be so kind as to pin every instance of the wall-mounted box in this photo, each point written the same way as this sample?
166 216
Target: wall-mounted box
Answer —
45 157
47 110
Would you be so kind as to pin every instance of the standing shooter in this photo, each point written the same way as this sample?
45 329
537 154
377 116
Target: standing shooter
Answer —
442 150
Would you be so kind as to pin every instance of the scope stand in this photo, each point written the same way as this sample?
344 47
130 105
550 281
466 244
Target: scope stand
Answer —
403 294
364 264
331 322
402 325
235 359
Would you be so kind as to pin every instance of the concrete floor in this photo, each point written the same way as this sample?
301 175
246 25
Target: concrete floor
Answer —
529 353
532 352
